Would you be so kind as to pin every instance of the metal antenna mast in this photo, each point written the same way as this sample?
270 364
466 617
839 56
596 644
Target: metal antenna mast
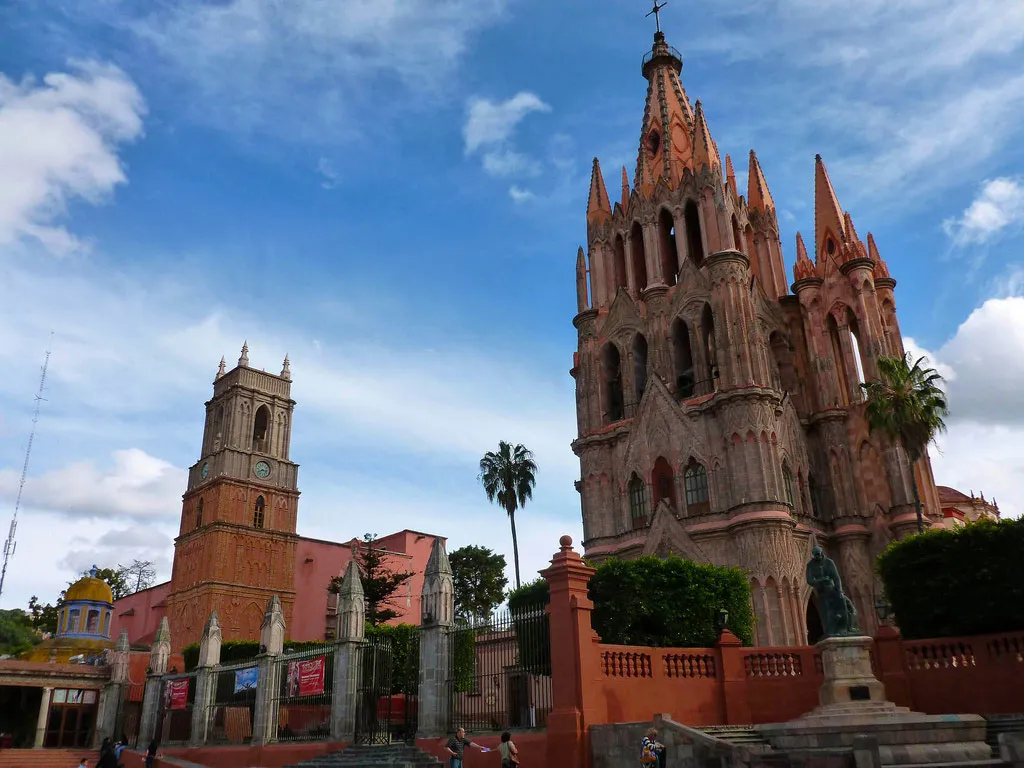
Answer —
10 545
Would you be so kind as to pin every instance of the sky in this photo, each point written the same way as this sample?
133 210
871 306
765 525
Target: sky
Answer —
392 193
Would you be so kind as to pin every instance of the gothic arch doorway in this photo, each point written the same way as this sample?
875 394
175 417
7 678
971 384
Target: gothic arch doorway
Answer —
815 629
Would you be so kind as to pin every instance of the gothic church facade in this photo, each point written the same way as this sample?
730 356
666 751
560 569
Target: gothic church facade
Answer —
720 414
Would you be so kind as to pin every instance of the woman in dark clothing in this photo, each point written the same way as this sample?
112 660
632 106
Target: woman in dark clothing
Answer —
107 757
151 754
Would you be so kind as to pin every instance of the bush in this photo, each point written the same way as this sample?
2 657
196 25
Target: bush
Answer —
668 602
533 627
237 651
950 583
405 654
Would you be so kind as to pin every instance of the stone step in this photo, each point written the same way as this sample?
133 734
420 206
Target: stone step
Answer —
998 724
739 735
373 756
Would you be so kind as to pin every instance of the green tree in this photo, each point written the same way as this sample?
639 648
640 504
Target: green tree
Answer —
42 618
16 632
479 576
137 575
906 404
115 577
380 581
509 477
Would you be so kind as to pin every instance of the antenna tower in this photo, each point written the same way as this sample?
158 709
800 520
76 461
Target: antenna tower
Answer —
10 544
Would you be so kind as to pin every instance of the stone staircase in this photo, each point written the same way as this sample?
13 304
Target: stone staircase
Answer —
383 756
745 736
46 758
998 724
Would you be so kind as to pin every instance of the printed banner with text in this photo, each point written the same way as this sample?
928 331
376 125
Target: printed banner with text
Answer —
245 679
176 694
306 678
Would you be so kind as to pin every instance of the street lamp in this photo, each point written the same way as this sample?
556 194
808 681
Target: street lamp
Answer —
883 610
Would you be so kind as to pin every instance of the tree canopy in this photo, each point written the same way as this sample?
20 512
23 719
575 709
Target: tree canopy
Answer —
379 580
508 477
479 576
17 633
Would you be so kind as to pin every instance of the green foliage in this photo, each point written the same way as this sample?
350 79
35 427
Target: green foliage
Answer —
668 602
16 632
115 577
237 651
379 580
950 583
464 658
533 627
509 477
43 618
405 654
479 576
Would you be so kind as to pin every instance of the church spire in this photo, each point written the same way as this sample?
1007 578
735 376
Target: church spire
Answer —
625 189
243 359
598 206
286 370
221 367
804 267
758 195
829 231
705 153
730 177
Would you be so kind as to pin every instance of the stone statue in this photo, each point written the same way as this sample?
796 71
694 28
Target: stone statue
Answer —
839 617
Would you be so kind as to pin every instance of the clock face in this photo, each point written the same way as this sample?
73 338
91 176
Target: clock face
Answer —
204 471
262 469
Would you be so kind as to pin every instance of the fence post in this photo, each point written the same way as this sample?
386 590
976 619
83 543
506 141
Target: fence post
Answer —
264 727
351 631
574 661
891 670
209 657
113 692
159 657
433 700
734 679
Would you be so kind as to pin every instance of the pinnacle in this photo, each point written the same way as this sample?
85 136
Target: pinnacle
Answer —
803 268
758 195
704 150
598 205
828 214
730 176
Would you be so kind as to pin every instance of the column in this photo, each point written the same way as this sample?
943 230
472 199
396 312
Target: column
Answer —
159 657
44 714
205 680
574 661
438 601
734 679
351 630
264 726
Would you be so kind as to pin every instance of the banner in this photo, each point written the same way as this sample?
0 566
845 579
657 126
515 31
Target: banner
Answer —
176 694
245 679
306 678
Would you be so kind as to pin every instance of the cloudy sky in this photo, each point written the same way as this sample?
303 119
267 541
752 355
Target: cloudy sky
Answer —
392 192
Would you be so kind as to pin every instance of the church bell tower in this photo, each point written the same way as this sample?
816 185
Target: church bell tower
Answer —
236 542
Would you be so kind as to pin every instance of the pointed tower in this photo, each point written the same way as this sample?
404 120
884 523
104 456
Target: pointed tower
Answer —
351 605
438 595
237 534
209 643
160 651
705 152
272 628
829 231
666 135
730 178
625 189
599 209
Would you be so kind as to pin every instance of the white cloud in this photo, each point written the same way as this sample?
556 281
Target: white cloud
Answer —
331 177
505 162
519 195
59 141
999 205
490 123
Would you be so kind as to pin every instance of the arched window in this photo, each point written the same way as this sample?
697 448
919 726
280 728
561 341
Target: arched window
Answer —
199 513
639 366
695 481
685 383
737 239
637 502
106 624
612 364
619 256
707 322
774 605
785 374
92 622
73 621
787 485
694 241
858 359
815 493
260 429
667 245
258 512
216 429
839 361
663 484
639 257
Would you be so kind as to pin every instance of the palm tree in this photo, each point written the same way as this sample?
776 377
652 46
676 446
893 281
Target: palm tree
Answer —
508 476
906 404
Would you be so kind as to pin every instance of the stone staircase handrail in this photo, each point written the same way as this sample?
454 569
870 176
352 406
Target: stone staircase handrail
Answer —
733 755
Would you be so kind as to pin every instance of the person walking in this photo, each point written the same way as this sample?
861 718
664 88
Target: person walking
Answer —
508 750
651 750
151 754
456 748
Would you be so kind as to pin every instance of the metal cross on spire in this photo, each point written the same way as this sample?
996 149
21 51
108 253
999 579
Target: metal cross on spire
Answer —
656 13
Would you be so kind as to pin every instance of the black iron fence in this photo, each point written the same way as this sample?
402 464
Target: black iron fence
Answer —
233 704
177 699
501 673
304 694
386 698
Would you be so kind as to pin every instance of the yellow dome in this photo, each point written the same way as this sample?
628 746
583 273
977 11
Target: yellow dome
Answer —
89 588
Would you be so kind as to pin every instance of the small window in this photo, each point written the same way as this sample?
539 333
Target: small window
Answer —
654 142
787 483
695 480
830 246
258 513
637 502
199 513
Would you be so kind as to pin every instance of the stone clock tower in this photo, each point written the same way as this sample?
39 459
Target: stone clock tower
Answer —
236 543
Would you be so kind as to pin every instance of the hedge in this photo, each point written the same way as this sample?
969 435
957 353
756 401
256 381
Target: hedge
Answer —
951 583
236 651
533 627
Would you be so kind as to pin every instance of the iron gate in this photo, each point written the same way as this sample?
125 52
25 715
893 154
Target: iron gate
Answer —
386 700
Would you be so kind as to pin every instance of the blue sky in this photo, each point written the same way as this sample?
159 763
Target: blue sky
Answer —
392 192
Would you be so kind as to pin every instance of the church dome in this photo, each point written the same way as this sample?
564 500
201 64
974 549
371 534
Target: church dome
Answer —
89 589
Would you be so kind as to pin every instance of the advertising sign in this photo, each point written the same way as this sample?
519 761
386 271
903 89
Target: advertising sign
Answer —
245 679
176 694
306 678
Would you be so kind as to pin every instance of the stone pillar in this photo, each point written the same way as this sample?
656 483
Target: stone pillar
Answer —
351 631
264 727
205 681
44 714
438 612
159 657
734 679
575 665
109 709
892 671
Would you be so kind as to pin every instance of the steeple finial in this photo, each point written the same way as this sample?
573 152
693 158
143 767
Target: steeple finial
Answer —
758 195
704 150
221 367
730 177
828 214
625 188
598 206
244 357
581 281
656 13
286 370
804 267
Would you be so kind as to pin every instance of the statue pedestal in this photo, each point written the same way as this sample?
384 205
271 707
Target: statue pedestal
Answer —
846 662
